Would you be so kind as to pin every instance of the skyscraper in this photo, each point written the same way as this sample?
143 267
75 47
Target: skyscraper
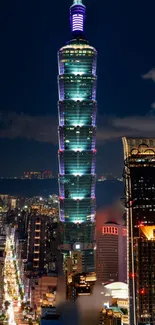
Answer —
77 138
37 242
42 242
111 252
139 157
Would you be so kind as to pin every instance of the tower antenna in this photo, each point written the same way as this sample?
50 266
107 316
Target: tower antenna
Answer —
77 16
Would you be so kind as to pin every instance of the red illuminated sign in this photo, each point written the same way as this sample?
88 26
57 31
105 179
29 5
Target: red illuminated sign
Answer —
110 230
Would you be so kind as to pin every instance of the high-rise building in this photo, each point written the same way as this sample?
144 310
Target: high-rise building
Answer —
80 284
37 240
42 243
111 252
77 138
139 155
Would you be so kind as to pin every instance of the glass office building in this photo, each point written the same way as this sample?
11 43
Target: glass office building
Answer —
77 139
139 175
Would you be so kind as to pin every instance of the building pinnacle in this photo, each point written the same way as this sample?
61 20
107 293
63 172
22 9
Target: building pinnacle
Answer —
76 2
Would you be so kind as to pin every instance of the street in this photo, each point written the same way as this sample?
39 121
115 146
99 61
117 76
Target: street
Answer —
12 295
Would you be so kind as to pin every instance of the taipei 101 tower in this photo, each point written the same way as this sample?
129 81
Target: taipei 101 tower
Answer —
77 139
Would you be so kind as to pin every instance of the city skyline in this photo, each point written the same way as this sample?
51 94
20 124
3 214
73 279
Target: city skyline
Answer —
72 247
28 102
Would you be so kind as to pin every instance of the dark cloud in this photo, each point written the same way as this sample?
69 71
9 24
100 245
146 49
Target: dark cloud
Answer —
153 105
149 75
38 128
135 126
44 128
136 123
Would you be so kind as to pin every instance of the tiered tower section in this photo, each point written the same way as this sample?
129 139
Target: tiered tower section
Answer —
77 139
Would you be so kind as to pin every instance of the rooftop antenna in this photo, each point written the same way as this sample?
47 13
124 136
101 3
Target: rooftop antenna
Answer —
77 16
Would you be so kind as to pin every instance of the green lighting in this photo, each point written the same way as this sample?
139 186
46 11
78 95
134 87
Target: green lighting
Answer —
77 98
76 2
78 197
77 136
78 149
78 73
77 174
78 124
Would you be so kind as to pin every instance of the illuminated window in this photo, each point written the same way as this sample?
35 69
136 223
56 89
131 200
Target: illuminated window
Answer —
110 230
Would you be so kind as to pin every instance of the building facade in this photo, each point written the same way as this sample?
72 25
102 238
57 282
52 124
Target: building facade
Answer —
42 242
115 304
42 291
80 285
139 155
111 252
77 138
36 244
113 316
2 266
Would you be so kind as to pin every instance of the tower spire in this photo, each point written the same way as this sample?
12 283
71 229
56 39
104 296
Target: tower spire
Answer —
77 16
76 2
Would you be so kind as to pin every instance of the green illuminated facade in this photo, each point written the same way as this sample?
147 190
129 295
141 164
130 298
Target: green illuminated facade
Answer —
77 140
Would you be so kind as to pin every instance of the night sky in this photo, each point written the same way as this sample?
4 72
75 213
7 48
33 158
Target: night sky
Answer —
31 32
